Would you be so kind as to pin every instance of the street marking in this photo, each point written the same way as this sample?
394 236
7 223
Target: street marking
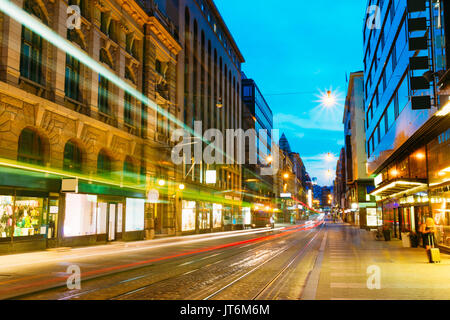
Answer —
186 263
348 285
343 274
190 272
213 255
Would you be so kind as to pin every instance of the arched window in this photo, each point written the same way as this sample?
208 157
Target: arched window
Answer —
72 157
104 165
31 148
129 171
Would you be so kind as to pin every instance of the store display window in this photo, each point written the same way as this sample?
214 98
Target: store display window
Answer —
134 220
217 215
81 215
247 215
227 216
204 216
31 216
6 216
188 216
441 214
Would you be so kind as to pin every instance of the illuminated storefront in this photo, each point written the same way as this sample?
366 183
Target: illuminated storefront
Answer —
217 215
29 219
188 216
439 176
25 221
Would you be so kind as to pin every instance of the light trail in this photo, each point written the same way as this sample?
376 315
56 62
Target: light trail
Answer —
130 266
63 44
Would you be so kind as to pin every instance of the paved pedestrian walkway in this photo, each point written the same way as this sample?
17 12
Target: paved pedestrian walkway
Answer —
350 256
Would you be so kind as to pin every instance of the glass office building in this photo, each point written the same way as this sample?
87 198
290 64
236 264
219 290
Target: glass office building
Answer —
404 64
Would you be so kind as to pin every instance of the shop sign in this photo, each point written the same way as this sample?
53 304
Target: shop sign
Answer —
69 186
378 180
285 195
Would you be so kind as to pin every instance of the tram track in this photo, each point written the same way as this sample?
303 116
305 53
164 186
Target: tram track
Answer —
274 279
135 290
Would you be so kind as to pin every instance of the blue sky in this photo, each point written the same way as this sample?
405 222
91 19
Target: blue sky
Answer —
301 46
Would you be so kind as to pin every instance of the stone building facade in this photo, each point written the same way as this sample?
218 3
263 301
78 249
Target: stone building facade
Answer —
62 122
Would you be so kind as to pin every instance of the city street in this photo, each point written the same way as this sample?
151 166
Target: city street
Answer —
328 262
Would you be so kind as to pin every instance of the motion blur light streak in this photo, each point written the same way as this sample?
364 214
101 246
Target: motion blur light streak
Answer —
104 271
39 28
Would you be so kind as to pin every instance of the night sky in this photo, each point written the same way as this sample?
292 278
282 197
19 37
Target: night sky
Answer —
294 50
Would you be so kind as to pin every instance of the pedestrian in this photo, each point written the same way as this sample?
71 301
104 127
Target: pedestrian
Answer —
429 231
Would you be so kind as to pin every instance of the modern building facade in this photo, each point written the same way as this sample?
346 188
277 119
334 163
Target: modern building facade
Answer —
257 115
209 94
360 206
407 118
340 184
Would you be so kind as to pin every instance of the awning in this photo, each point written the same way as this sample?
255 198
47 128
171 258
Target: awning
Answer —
392 187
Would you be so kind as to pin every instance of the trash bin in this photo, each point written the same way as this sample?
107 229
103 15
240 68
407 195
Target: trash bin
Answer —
387 235
406 240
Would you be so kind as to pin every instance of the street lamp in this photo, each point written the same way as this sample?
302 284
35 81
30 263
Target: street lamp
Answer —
161 182
181 186
329 99
286 176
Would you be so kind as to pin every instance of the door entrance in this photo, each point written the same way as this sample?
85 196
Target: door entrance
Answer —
111 213
112 222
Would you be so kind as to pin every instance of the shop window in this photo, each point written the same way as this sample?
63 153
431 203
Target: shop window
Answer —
31 56
80 216
30 148
188 216
104 165
217 215
72 157
30 217
134 220
6 216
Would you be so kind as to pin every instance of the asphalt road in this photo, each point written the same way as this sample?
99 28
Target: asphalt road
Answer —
252 265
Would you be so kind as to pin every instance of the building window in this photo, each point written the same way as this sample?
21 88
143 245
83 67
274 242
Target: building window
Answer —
72 157
104 165
31 56
128 109
72 89
103 93
30 148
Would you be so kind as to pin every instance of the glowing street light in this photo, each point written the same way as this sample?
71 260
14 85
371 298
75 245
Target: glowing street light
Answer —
286 175
329 157
329 100
269 159
161 182
181 187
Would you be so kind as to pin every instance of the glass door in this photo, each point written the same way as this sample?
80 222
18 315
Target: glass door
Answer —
112 222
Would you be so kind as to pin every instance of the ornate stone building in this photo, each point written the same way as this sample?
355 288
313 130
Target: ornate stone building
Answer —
71 136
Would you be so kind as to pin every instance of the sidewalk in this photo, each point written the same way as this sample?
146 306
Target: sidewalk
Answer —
404 272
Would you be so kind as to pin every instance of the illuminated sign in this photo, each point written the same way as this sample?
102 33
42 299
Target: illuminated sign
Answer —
378 180
285 195
211 176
